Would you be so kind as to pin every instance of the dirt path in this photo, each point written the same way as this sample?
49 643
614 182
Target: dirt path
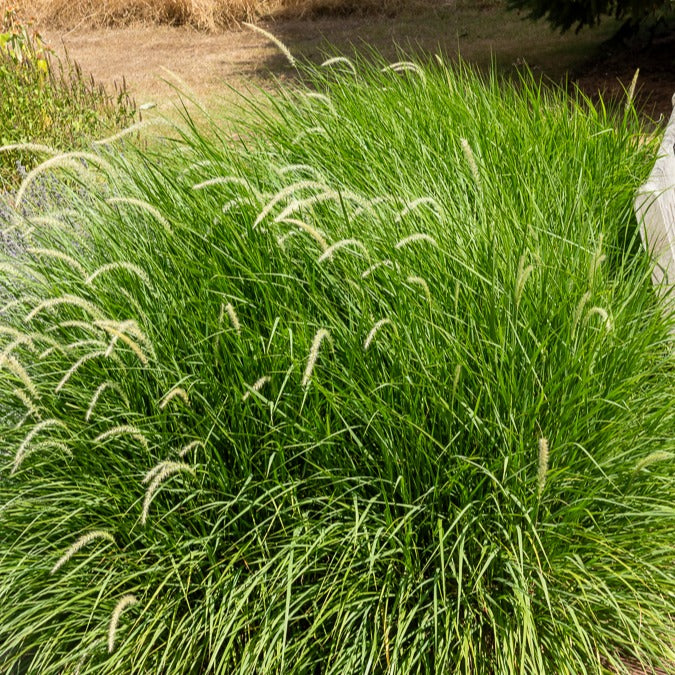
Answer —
480 32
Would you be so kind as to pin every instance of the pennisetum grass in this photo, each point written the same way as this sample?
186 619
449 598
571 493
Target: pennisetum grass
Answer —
390 509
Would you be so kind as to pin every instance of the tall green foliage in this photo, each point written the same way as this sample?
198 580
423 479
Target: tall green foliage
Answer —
567 13
47 100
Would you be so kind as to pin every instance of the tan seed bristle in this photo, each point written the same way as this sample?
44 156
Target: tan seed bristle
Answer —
66 160
256 386
328 253
542 469
374 330
23 449
287 192
321 334
312 231
67 299
30 147
652 458
79 544
124 602
132 129
158 475
422 283
97 394
28 402
411 239
406 66
421 201
579 310
471 161
175 392
186 448
631 89
523 275
11 364
342 60
58 255
602 313
372 268
143 205
135 432
307 168
299 204
234 319
75 366
279 44
129 267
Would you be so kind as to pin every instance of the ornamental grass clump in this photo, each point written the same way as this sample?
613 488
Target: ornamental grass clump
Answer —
404 440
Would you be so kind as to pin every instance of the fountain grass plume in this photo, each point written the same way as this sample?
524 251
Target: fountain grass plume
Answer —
278 43
338 245
79 544
176 392
321 335
389 488
125 601
156 476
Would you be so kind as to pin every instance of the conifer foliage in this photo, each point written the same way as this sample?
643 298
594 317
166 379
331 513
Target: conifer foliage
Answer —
565 14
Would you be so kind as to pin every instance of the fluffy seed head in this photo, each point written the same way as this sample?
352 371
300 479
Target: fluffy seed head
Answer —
279 44
256 386
372 268
321 334
190 446
411 239
523 275
68 160
234 319
657 456
11 364
422 283
131 129
76 365
602 313
79 544
421 201
175 392
156 476
298 204
373 332
129 267
471 161
144 206
312 231
328 253
300 168
406 66
97 394
124 602
58 255
68 299
340 60
122 429
287 192
24 448
542 469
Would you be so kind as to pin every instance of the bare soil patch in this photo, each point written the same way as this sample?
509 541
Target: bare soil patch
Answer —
481 32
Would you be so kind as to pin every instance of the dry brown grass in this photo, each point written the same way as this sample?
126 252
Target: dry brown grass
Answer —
202 14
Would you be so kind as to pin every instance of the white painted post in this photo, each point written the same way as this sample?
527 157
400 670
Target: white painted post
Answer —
655 210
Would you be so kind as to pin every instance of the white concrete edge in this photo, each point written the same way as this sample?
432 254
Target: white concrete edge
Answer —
655 210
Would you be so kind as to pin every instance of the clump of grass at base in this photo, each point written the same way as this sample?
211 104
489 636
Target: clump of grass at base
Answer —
48 100
394 394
